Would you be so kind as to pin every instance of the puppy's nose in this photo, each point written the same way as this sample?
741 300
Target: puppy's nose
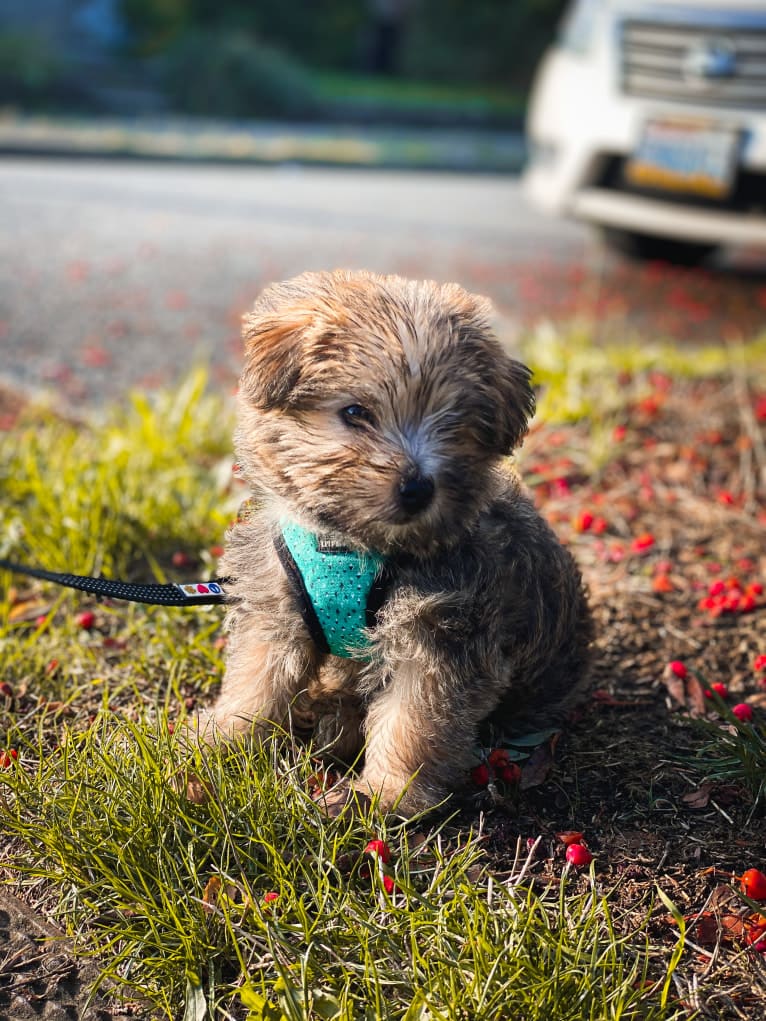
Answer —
415 493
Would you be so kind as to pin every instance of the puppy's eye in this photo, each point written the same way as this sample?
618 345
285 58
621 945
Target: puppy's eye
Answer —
355 415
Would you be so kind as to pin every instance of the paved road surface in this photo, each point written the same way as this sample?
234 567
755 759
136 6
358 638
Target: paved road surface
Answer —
121 273
113 273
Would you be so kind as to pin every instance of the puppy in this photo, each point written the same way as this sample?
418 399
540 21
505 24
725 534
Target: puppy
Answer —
392 587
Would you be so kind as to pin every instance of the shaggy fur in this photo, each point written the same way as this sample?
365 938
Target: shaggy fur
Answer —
485 619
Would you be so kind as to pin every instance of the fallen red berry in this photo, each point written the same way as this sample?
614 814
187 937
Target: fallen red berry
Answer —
678 668
578 855
379 848
6 690
389 885
86 619
759 663
480 775
642 542
662 583
583 521
753 883
743 712
269 897
719 688
510 773
498 757
7 757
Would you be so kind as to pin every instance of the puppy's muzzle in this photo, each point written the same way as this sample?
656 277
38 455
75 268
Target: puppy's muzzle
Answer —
415 493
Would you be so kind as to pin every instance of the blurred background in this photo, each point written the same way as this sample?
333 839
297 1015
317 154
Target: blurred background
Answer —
402 61
162 160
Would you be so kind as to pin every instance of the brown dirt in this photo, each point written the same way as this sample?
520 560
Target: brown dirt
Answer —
690 473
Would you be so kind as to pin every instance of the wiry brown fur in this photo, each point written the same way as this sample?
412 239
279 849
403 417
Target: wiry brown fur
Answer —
485 619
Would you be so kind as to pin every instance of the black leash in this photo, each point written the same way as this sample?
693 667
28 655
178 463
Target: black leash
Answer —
195 593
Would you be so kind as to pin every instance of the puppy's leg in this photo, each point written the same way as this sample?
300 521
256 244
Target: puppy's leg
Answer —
416 751
262 679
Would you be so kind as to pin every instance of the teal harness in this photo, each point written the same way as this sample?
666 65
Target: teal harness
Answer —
339 591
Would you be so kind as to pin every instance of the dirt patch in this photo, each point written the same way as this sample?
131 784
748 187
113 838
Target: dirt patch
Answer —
40 977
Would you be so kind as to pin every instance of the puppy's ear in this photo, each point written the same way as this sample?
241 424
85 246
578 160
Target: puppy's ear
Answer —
273 347
517 404
504 382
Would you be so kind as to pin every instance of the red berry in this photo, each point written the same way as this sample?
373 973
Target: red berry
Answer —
6 758
6 690
181 559
677 667
269 897
642 542
583 521
498 757
480 775
379 848
760 663
719 688
578 855
753 883
389 885
86 619
510 773
743 712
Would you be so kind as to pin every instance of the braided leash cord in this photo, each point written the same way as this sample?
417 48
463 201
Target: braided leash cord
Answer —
198 593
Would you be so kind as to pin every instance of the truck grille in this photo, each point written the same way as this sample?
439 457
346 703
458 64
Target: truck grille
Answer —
720 65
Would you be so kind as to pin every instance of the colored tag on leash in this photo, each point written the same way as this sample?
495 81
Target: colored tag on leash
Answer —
198 593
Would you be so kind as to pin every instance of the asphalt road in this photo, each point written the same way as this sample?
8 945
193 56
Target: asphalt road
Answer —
115 274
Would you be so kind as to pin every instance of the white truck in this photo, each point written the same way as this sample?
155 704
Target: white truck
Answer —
648 120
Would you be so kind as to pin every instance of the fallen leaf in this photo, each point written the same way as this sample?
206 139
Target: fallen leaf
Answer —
699 798
537 767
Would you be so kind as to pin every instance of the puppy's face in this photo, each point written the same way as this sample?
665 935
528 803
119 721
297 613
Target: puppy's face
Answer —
376 407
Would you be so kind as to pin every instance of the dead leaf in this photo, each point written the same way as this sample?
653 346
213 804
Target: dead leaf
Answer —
695 696
699 798
28 609
211 894
570 837
537 767
197 791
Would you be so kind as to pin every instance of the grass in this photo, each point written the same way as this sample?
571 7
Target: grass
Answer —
394 96
135 862
164 880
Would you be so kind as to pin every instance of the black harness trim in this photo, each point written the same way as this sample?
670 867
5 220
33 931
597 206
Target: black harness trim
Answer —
298 586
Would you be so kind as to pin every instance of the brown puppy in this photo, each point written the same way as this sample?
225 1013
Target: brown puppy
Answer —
374 417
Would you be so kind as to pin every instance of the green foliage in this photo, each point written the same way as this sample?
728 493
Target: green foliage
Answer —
230 74
154 24
478 40
455 41
30 71
137 487
734 753
579 379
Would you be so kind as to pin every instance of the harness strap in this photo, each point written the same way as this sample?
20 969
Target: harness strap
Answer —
198 593
338 592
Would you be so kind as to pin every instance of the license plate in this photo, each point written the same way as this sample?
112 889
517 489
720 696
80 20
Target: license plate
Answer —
685 156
